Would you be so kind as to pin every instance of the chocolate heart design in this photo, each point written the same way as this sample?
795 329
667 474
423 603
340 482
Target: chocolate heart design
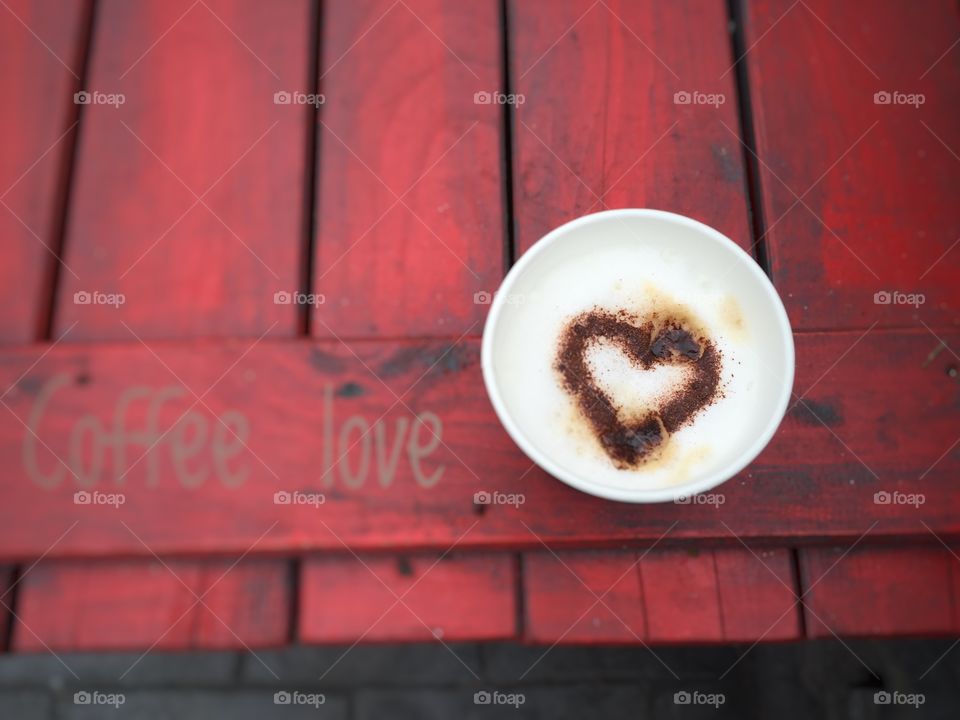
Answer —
659 339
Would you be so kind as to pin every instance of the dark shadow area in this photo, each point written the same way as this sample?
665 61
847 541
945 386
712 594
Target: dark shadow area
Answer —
817 679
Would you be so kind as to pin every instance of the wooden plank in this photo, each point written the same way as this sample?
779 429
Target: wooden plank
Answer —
408 598
317 418
197 259
680 588
132 604
583 597
188 267
410 195
877 416
601 121
873 591
665 596
42 40
758 596
300 408
730 594
878 210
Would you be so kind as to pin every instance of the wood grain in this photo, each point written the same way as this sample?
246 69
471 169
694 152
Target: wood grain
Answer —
410 216
398 437
858 196
664 596
581 596
907 590
198 121
40 46
192 215
138 604
408 598
600 127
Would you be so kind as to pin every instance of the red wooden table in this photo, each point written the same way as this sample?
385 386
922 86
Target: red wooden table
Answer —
244 272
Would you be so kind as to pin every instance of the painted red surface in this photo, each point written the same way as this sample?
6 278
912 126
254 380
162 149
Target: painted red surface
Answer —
408 598
203 405
399 437
196 169
410 223
37 122
858 196
604 123
881 591
139 604
660 596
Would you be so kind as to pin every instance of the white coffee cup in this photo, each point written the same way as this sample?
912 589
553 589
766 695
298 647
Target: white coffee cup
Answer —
615 257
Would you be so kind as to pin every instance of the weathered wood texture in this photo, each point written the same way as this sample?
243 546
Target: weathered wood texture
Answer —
398 437
855 108
453 597
146 603
41 52
410 216
876 591
668 596
189 197
625 105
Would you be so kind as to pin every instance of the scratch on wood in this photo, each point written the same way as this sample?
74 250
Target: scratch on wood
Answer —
933 354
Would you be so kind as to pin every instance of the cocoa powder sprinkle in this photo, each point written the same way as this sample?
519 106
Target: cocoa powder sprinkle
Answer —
646 342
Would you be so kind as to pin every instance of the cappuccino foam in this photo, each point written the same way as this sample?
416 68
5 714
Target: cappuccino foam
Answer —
653 289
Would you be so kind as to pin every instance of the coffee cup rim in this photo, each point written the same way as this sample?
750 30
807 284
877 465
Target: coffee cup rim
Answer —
585 484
